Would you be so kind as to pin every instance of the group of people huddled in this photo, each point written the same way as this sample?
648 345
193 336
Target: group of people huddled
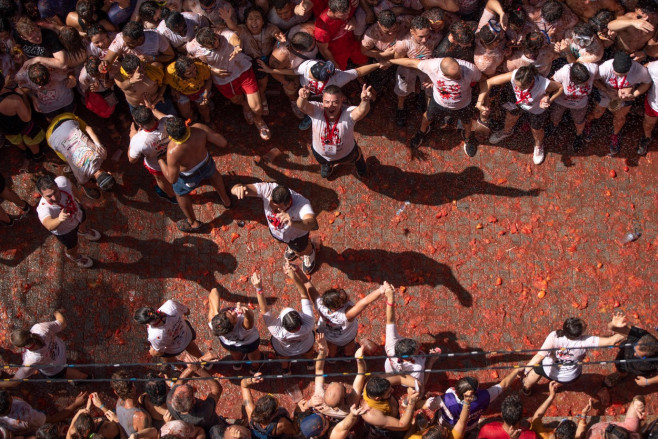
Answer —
323 330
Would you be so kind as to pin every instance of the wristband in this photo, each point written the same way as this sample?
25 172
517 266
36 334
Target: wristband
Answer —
102 406
390 304
259 291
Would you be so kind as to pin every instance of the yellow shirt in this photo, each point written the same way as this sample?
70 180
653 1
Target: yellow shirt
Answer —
187 86
538 427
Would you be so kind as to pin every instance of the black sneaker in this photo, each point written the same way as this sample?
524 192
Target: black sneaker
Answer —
471 146
289 254
644 146
417 139
578 143
326 170
401 117
615 144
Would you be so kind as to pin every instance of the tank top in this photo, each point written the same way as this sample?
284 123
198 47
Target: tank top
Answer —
11 125
126 417
259 432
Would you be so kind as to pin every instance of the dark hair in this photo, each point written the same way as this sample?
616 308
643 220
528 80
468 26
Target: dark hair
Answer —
48 431
572 328
292 321
339 5
86 10
95 29
648 345
565 430
205 36
71 39
143 115
182 399
39 74
2 80
462 33
486 35
8 8
147 10
386 18
335 298
175 20
130 63
5 25
84 426
279 4
437 431
584 29
281 195
264 409
578 73
251 9
182 64
302 41
5 402
464 385
333 89
156 389
377 387
221 325
217 431
145 315
44 182
601 19
434 14
123 388
405 347
646 6
133 30
533 42
22 337
512 410
207 3
91 65
176 127
420 22
517 17
552 11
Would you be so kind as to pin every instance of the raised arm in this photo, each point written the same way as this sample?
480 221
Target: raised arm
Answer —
302 101
244 190
60 319
293 272
460 426
406 62
509 379
322 349
215 387
541 410
247 399
361 368
256 282
389 292
343 428
363 303
368 68
364 106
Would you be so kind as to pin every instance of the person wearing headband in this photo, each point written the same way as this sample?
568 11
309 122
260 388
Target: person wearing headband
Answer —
490 48
147 45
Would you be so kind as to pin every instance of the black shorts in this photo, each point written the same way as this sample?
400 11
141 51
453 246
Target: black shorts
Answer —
70 240
537 121
297 244
243 349
58 376
539 370
193 338
352 157
3 183
436 111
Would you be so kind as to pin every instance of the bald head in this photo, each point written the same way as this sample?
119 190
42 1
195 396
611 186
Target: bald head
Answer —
450 68
334 394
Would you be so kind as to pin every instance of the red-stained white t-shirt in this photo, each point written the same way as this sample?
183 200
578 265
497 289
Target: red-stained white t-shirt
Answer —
450 93
636 75
530 99
153 45
332 140
575 95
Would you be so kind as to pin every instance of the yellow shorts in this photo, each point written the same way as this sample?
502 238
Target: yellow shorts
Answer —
17 139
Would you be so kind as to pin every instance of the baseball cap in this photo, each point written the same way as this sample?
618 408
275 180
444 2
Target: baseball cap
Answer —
312 425
323 70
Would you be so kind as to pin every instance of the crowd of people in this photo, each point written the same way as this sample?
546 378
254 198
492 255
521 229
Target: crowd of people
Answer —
470 65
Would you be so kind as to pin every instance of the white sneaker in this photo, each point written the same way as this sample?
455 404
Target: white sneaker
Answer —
91 235
296 111
538 155
81 261
498 136
308 263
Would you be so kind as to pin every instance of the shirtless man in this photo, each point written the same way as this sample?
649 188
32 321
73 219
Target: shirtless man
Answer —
188 164
635 29
383 419
141 82
586 9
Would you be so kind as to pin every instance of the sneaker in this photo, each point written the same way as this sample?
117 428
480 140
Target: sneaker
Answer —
91 235
538 155
326 170
308 263
162 194
615 144
401 117
296 111
578 143
587 132
471 147
305 123
81 261
644 146
91 193
289 254
498 136
417 139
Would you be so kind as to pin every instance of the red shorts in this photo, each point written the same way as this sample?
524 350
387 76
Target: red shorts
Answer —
648 110
151 170
244 84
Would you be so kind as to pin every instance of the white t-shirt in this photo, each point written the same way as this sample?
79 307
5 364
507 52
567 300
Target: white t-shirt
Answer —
175 334
339 78
332 140
192 21
530 99
150 144
575 96
53 352
287 343
561 365
53 96
413 366
22 419
45 209
239 336
154 44
180 429
636 75
334 324
300 208
652 97
447 92
219 58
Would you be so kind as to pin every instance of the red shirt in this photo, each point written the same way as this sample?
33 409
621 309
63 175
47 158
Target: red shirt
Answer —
329 29
494 430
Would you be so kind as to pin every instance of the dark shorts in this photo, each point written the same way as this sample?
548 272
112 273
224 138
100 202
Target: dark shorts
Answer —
165 106
537 121
243 349
187 183
297 244
256 67
58 376
3 183
539 370
436 111
193 338
70 240
353 156
70 108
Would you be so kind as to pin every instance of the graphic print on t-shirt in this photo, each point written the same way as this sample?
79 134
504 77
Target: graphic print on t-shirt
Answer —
576 92
452 92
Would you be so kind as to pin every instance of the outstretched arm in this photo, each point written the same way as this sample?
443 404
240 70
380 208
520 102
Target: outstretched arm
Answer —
389 292
247 399
256 282
406 62
363 303
361 368
541 410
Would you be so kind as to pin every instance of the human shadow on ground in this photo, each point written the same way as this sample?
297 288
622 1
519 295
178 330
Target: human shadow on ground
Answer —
154 259
435 189
399 268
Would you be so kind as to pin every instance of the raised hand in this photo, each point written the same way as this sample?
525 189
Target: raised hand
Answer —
366 93
256 281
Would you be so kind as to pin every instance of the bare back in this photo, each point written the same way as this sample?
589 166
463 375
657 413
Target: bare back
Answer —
189 154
